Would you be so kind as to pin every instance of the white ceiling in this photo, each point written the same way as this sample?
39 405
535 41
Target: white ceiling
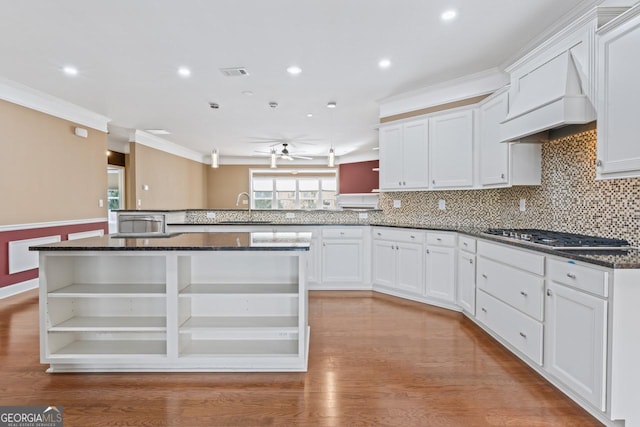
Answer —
128 53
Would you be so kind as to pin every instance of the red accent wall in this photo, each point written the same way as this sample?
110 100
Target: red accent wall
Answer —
7 279
358 177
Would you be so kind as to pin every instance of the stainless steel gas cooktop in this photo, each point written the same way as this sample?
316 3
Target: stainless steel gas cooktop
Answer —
558 239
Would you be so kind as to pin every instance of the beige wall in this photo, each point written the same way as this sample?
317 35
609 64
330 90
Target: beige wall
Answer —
226 182
174 182
46 172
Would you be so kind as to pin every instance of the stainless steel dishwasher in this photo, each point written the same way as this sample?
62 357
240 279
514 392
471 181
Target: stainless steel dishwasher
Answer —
141 224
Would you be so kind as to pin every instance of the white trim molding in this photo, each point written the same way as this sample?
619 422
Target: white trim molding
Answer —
18 288
17 93
482 83
15 227
161 144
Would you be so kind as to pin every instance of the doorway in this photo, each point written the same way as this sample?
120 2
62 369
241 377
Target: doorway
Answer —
115 195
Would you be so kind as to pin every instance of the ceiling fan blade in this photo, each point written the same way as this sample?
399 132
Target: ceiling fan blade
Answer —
302 157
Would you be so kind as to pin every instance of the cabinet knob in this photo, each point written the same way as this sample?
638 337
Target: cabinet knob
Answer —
433 182
399 182
465 244
324 244
523 293
438 239
484 275
404 183
523 335
502 175
599 163
483 309
549 292
413 237
428 251
571 275
470 261
342 233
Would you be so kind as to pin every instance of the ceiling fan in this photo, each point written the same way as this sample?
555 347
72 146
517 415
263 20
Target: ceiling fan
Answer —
284 153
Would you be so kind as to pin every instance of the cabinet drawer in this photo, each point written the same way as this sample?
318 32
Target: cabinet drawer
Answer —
441 239
577 276
519 330
518 258
521 290
346 232
408 236
467 243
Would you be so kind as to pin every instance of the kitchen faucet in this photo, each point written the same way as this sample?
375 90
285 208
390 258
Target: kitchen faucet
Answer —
244 193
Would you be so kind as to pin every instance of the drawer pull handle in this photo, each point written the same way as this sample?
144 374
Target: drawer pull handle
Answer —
379 234
571 275
549 292
413 237
470 261
428 251
484 275
483 309
342 233
523 293
465 244
523 335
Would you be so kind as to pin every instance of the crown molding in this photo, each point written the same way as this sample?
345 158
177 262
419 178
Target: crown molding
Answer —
25 96
481 83
161 144
626 16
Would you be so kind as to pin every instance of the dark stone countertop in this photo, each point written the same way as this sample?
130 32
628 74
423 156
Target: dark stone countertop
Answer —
255 241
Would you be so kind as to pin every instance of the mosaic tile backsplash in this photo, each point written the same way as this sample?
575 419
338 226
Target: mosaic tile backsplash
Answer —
569 199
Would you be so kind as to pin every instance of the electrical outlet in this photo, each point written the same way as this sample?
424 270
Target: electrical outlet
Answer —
442 204
100 203
139 202
397 204
363 215
290 215
211 215
523 205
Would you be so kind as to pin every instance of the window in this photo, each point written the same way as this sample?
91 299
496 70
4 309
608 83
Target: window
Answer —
294 189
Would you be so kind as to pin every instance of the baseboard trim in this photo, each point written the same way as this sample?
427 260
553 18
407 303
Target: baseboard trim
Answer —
18 288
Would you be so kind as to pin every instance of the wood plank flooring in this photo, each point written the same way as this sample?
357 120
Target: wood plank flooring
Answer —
374 361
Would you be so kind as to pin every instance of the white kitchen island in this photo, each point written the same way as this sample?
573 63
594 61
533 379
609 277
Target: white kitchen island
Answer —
190 302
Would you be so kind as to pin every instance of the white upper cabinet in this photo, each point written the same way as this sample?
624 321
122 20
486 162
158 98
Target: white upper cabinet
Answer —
494 155
451 150
618 95
403 156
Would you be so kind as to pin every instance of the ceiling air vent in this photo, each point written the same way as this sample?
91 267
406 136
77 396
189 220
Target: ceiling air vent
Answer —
234 72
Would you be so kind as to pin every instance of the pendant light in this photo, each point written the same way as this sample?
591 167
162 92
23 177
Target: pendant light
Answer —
215 159
273 158
332 155
332 158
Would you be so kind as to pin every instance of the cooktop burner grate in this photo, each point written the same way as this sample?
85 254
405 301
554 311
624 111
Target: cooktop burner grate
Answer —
558 239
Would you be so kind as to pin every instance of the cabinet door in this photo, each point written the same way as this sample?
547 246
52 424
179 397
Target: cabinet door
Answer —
409 272
575 341
414 155
384 263
314 261
451 150
390 153
440 274
341 261
619 91
466 292
494 155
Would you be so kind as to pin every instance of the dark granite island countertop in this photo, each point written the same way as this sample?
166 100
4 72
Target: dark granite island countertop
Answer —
254 241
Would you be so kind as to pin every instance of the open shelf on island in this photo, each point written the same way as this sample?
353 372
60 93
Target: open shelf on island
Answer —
241 288
113 323
93 290
240 348
279 323
113 348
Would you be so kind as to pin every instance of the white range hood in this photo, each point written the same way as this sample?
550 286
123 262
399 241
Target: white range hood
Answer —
547 97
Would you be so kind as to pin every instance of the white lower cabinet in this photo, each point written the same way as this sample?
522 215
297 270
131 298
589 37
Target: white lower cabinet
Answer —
440 263
575 339
342 256
466 278
397 261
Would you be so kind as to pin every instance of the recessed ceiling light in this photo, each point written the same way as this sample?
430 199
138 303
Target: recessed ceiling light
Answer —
184 72
309 115
70 70
448 15
247 93
331 104
384 63
294 69
158 131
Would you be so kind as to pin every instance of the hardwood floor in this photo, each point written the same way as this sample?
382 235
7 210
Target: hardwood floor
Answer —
374 361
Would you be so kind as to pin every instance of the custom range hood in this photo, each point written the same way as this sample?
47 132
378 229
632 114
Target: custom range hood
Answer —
546 97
